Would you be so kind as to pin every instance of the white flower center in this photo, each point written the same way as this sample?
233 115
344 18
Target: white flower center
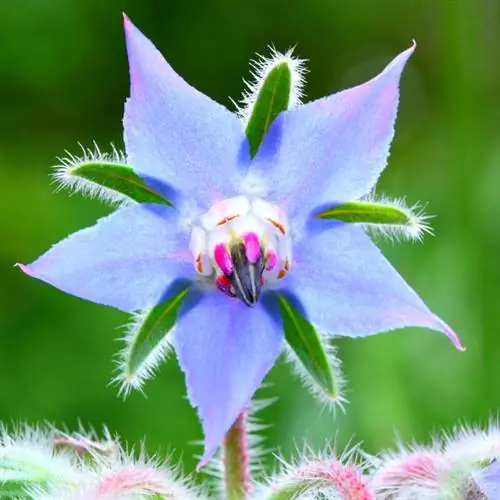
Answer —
242 244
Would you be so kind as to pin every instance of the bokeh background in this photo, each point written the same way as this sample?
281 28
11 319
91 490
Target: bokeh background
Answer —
63 80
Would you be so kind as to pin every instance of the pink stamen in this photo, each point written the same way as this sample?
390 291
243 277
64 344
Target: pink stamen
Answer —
271 260
223 258
224 285
252 247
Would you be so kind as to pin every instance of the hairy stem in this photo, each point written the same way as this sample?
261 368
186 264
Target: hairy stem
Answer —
237 479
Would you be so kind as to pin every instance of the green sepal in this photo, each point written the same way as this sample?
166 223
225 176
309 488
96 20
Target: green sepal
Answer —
118 178
305 341
149 334
367 212
272 99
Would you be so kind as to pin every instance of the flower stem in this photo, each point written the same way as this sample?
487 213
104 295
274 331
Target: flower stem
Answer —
237 479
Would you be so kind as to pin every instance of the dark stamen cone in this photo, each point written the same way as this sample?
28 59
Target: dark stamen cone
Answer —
245 277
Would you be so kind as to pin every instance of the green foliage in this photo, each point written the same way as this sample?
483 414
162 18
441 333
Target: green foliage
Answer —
118 178
148 340
305 341
366 212
272 99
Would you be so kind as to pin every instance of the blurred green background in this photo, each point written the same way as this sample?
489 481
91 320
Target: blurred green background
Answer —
63 80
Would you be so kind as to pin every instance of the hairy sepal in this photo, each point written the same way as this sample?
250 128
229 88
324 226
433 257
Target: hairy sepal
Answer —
392 218
317 365
83 468
277 86
126 477
321 475
448 468
28 461
104 176
273 98
148 342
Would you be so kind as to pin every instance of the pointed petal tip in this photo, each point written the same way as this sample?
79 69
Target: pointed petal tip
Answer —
372 113
242 361
407 53
131 30
411 48
451 335
456 341
202 464
207 456
402 58
24 268
126 21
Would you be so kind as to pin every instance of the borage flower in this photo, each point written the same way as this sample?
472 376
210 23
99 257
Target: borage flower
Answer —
254 233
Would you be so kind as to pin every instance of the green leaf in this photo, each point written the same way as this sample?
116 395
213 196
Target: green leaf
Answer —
272 99
146 344
106 176
303 338
368 212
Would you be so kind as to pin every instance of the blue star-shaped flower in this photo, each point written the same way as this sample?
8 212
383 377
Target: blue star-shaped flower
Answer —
242 229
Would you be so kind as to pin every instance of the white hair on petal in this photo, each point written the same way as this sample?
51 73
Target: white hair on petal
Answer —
260 69
415 229
134 381
63 177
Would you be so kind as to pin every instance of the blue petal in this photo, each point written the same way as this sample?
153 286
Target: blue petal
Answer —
175 134
127 260
488 480
347 287
332 149
225 349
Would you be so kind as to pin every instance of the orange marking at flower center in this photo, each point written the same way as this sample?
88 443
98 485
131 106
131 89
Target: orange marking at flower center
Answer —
227 219
284 270
277 225
199 264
